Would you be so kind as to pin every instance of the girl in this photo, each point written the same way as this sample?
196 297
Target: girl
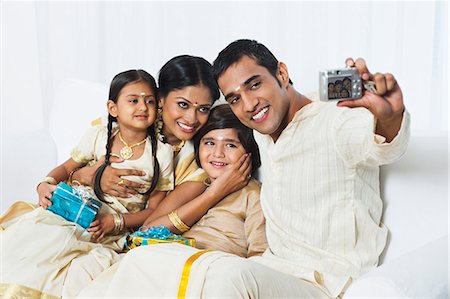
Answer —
52 242
235 224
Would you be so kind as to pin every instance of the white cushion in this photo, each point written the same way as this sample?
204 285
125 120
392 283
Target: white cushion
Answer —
415 196
421 273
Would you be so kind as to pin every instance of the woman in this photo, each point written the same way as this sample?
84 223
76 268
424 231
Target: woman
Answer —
234 225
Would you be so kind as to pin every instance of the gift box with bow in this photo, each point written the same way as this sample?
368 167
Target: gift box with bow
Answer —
155 235
74 204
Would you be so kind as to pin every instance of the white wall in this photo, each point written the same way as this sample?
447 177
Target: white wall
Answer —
44 43
20 70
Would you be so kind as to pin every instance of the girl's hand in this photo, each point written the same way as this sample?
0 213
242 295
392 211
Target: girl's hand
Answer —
45 191
235 178
102 225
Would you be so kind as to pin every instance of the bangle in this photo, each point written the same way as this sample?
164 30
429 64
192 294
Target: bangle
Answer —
75 183
177 222
119 223
49 180
69 179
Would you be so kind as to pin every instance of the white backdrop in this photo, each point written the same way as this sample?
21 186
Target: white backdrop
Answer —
44 43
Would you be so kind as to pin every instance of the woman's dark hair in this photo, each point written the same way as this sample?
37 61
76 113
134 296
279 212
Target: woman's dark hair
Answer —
185 70
245 47
221 117
117 84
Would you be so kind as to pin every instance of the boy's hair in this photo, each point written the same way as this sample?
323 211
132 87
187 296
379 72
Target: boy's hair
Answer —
185 70
117 84
246 47
221 117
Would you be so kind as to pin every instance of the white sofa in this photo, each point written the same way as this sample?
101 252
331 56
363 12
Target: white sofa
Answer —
415 193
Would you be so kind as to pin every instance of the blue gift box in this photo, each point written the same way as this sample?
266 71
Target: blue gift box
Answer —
74 204
155 235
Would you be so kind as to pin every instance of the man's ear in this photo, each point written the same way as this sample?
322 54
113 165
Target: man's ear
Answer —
112 108
283 74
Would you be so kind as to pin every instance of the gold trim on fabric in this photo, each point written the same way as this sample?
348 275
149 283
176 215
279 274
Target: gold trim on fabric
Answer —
11 290
78 156
96 122
186 271
133 207
184 168
17 209
164 184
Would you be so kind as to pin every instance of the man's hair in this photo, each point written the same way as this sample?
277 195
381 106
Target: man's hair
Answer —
245 47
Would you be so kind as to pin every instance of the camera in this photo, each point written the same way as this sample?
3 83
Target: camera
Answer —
340 84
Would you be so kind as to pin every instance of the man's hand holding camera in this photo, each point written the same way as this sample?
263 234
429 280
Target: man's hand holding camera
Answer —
386 105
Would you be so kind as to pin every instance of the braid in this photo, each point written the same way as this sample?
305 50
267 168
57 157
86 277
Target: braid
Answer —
98 174
152 133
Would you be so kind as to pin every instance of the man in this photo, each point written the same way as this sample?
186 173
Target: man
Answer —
320 166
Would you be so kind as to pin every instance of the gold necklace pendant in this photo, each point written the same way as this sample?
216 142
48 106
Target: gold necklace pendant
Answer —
127 151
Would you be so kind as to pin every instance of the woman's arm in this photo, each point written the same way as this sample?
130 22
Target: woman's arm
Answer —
110 178
135 220
192 201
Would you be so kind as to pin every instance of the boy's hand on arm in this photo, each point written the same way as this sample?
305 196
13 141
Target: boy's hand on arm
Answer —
386 105
236 178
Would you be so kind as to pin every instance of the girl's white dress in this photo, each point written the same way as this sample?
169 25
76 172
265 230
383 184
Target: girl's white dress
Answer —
44 255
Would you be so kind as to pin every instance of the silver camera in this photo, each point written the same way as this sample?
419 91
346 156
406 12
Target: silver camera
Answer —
340 84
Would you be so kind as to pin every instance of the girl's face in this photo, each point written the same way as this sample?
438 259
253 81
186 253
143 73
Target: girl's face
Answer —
135 108
218 150
185 111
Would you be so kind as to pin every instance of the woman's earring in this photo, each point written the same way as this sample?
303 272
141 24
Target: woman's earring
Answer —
159 124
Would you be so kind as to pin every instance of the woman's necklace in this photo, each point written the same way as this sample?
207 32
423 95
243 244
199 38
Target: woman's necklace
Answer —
127 151
159 132
178 147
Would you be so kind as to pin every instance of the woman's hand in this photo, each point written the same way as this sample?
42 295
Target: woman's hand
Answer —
102 225
111 182
45 192
235 178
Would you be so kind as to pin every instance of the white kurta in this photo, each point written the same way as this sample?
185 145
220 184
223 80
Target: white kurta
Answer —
321 195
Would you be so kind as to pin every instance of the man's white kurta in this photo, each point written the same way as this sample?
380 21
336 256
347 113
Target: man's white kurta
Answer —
320 194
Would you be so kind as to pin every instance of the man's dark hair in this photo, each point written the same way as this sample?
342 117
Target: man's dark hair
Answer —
245 47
